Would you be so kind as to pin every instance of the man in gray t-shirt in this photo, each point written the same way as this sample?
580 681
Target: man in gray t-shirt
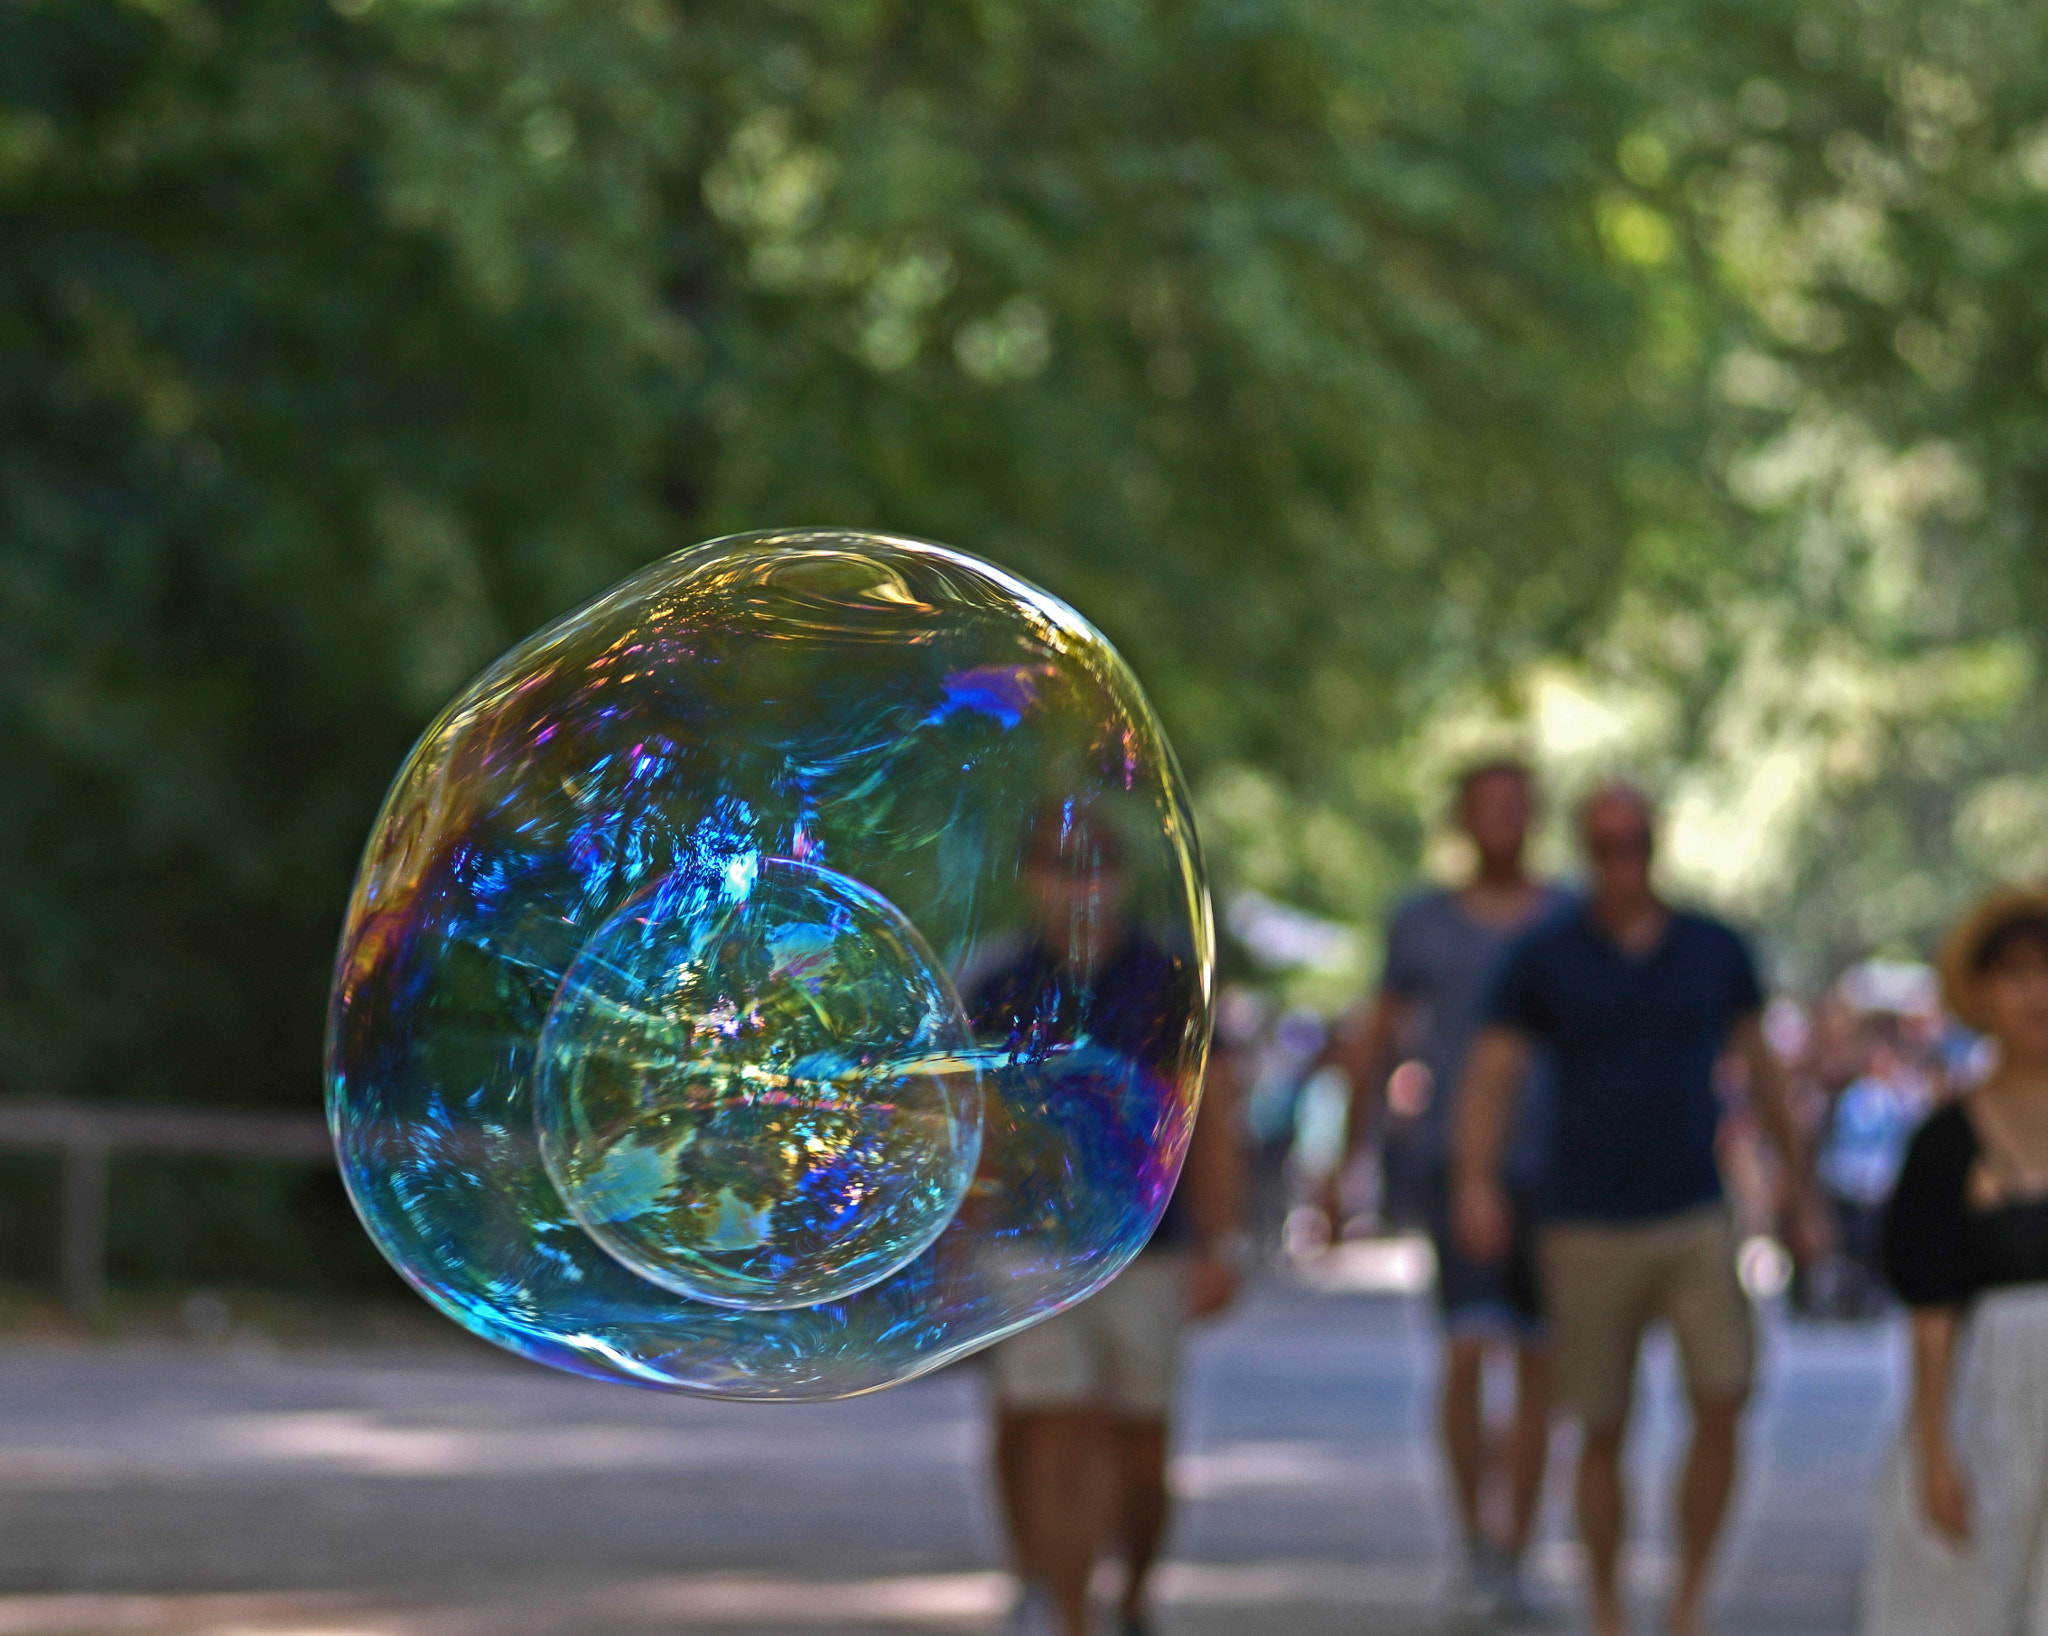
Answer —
1442 948
1440 961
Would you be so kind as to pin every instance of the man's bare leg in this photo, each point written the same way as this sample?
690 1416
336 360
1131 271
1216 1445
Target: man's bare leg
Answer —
1528 1445
1141 1505
1703 1494
1051 1475
1461 1421
1602 1515
1010 1485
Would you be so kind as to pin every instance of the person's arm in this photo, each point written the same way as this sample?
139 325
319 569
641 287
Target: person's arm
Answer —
1923 1247
1213 1186
1770 1093
1486 1105
1942 1489
1363 1043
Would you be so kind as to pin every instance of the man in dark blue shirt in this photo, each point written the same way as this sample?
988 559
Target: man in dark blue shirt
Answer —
1636 1003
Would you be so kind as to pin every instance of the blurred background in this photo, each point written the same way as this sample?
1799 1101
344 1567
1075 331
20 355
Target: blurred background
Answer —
1654 386
1657 385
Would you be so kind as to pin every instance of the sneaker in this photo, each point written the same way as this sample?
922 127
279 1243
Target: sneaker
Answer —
1509 1604
1032 1614
1468 1598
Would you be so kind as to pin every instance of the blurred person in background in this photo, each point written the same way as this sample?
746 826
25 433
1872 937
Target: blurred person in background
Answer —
1861 1150
1962 1525
1829 1059
1442 948
1636 1002
1083 1399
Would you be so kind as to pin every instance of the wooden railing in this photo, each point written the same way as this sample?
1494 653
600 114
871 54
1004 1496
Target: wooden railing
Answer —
86 1136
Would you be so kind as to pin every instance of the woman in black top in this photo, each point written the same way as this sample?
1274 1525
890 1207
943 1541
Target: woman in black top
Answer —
1965 1547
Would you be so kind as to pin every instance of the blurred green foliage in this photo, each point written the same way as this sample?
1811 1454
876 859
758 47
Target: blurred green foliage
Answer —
1661 383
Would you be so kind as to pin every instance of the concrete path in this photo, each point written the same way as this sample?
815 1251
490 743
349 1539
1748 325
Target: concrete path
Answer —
239 1491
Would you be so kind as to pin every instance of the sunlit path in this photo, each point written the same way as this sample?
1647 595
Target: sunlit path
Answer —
446 1493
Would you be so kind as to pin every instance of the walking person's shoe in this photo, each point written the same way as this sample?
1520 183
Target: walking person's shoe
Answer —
1032 1613
1511 1605
1469 1597
1487 1593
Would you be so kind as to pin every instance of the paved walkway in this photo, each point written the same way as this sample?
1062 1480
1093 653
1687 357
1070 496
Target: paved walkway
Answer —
238 1491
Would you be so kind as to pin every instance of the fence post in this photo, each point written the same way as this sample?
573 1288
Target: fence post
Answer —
86 1137
84 1220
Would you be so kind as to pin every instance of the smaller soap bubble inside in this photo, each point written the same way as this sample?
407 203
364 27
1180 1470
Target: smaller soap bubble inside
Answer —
757 1087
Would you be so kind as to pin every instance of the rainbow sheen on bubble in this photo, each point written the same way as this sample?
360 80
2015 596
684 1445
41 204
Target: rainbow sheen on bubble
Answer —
781 976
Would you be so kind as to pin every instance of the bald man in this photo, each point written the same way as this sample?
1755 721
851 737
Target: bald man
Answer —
1636 1002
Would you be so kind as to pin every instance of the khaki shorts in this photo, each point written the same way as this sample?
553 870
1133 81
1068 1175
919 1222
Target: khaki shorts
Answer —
1118 1350
1605 1283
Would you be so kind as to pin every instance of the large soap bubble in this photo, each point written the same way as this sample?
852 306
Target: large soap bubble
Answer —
783 975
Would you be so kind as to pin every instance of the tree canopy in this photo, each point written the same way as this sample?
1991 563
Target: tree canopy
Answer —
1661 383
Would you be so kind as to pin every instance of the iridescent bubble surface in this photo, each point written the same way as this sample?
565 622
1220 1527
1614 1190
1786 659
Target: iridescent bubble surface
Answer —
782 975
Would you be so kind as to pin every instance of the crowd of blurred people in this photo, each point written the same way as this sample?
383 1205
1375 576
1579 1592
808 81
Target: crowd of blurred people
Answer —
1585 1101
1588 1106
1868 1058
